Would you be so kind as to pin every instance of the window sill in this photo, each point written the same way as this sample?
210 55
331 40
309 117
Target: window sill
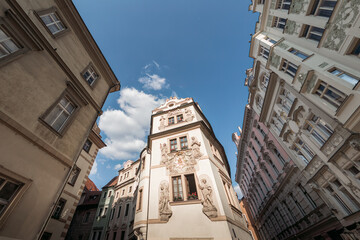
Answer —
59 219
194 201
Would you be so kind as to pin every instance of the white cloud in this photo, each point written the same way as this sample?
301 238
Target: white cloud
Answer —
126 128
153 81
238 190
94 168
108 166
118 166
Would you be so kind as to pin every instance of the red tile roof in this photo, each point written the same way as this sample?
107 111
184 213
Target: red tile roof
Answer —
90 186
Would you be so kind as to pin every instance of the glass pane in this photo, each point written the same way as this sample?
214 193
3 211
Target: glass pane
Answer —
57 125
2 207
56 111
1 181
46 19
10 46
60 26
53 28
353 81
53 15
70 108
8 190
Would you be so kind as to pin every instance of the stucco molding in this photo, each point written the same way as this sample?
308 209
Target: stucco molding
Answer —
164 198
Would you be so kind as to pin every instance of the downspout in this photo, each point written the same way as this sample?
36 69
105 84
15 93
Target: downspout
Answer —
72 167
147 214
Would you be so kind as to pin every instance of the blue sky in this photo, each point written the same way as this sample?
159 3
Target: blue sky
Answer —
163 48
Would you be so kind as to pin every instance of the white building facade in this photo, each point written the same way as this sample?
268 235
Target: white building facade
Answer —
184 189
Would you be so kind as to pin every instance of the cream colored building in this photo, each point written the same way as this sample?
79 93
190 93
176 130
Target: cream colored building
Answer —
304 88
184 189
54 81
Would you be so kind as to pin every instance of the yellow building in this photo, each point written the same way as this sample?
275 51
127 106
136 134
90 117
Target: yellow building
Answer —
54 81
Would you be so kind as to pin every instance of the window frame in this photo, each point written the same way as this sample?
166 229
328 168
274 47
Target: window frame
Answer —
321 93
86 69
54 10
73 178
57 215
341 72
286 65
264 52
297 52
184 188
72 97
8 174
355 44
307 31
86 144
315 7
279 23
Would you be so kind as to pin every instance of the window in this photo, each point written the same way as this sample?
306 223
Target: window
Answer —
7 44
100 212
126 210
8 191
278 155
105 211
298 53
308 197
264 52
298 205
283 4
355 48
311 32
179 118
265 81
183 143
90 75
279 22
74 175
139 205
87 145
191 187
257 142
289 68
177 189
171 120
354 171
323 8
122 235
130 188
320 131
109 194
52 22
59 208
119 212
261 131
173 145
112 213
303 151
104 194
60 114
86 217
270 40
123 192
114 235
330 94
345 76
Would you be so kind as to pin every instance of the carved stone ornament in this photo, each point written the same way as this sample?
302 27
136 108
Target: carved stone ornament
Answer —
301 77
273 4
181 161
297 6
354 189
311 83
355 143
274 60
269 21
209 208
291 27
174 113
189 116
344 19
164 198
162 123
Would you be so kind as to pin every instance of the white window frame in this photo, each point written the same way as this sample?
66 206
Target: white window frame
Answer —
344 76
55 20
5 44
264 52
90 75
322 93
308 31
286 67
279 22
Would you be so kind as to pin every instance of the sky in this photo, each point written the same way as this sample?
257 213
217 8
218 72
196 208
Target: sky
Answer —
163 48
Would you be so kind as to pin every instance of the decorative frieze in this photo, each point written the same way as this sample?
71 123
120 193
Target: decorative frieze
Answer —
298 6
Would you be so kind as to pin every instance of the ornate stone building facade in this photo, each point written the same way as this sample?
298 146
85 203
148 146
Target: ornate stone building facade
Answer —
54 81
304 93
184 189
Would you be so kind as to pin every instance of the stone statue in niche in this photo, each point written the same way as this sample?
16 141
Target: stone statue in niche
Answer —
195 145
164 152
188 115
355 143
209 208
164 208
162 123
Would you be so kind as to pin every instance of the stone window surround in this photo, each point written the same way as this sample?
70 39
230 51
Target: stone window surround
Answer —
14 31
178 144
69 93
184 189
91 66
17 197
57 13
139 200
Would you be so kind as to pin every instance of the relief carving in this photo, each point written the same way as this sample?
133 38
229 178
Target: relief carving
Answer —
290 27
162 123
183 160
301 77
311 83
164 208
283 45
209 208
355 143
345 17
274 60
189 116
297 6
